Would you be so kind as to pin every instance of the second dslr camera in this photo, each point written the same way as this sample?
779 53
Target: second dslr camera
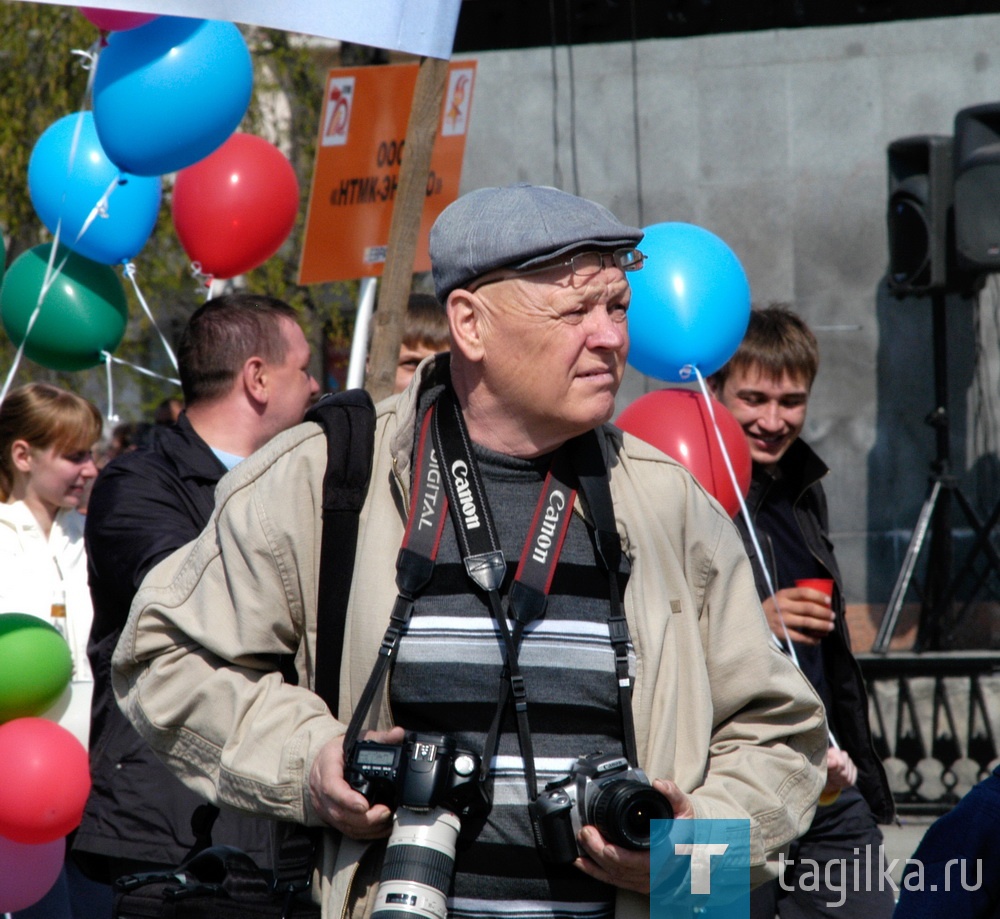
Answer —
602 791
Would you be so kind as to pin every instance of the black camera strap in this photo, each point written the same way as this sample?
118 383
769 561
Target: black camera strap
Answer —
579 464
485 564
414 567
595 486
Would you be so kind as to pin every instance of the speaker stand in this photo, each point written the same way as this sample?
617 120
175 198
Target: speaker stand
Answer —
935 521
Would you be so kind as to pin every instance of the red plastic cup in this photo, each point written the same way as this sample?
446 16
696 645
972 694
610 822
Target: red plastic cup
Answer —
823 585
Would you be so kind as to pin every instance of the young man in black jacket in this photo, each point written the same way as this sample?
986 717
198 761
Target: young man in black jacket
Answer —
244 369
835 868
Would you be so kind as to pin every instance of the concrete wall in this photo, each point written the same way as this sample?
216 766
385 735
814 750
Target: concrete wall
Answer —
776 142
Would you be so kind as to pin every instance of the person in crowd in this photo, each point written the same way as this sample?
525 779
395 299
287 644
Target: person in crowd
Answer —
244 365
46 438
128 436
168 411
425 333
648 643
955 870
766 385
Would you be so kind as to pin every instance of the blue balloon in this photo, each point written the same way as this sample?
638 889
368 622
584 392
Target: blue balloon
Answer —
690 303
65 183
170 92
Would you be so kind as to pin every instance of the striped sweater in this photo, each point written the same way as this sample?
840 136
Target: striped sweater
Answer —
446 679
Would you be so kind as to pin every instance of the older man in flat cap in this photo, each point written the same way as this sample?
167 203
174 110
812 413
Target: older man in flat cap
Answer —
568 603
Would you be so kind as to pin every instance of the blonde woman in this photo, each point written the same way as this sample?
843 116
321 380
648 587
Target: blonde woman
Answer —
46 437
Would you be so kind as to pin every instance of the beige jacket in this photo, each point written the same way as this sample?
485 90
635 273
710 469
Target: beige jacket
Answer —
717 707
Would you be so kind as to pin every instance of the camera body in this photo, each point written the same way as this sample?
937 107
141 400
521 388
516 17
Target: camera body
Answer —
424 772
424 780
601 790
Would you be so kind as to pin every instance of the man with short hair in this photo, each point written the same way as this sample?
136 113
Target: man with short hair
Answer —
766 386
244 369
633 628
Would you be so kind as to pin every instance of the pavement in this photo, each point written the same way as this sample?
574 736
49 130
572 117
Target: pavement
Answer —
902 839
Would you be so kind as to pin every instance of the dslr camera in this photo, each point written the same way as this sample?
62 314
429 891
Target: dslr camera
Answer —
602 791
426 780
426 771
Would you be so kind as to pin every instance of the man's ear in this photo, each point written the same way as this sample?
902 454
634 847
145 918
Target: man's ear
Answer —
255 379
465 321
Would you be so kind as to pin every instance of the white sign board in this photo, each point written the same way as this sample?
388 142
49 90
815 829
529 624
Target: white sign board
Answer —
422 27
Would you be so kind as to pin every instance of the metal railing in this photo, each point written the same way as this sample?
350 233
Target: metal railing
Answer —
935 719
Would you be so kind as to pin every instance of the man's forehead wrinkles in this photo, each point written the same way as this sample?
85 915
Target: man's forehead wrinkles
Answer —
599 290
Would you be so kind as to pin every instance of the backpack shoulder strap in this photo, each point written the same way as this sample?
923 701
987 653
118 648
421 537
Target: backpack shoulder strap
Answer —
348 418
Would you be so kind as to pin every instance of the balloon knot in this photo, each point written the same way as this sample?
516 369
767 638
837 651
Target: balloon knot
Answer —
89 58
205 280
686 372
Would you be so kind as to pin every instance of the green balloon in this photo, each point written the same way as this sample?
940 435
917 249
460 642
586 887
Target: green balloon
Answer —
84 311
35 666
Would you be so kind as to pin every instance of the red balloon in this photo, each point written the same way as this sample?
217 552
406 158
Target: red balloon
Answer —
233 209
115 20
44 781
677 422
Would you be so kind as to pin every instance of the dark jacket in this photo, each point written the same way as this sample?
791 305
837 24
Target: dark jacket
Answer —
803 470
144 506
955 871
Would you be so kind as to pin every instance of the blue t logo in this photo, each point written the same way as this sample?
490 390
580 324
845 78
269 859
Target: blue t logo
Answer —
700 864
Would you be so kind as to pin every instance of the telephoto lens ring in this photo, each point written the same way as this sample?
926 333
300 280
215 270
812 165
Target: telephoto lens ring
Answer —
418 866
622 812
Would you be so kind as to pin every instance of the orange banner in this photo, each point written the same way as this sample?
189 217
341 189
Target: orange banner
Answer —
358 153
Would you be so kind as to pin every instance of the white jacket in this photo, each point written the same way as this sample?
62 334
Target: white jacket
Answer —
30 567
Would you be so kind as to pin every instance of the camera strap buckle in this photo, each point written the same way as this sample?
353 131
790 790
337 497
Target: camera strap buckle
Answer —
520 694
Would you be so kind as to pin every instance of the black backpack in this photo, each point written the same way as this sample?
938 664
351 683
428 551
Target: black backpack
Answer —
221 882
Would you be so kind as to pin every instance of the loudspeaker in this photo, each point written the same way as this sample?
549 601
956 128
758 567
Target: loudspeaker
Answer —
977 187
919 215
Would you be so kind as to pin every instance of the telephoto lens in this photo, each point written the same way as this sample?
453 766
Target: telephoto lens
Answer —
418 866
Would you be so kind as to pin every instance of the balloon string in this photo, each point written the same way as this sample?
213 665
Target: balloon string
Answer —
31 322
12 371
129 272
108 356
789 645
89 61
89 64
112 416
100 209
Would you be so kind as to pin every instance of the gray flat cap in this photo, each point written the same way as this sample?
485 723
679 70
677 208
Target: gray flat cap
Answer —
517 226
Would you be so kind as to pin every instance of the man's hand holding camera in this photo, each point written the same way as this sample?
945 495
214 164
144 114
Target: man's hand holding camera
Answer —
621 867
340 805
